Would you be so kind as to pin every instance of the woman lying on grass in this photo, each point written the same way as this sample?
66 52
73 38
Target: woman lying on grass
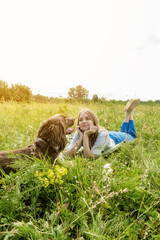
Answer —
95 139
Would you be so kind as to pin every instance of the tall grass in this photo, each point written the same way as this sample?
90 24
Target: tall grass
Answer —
121 201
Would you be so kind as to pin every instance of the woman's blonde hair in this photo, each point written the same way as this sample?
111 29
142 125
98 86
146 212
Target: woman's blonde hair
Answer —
94 118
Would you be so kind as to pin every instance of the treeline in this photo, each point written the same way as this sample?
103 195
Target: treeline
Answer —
21 93
17 92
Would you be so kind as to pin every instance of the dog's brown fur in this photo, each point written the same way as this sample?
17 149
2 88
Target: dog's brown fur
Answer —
51 140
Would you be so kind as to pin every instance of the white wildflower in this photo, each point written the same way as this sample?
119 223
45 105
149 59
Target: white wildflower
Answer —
107 170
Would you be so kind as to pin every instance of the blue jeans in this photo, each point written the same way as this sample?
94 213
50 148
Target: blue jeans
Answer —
128 133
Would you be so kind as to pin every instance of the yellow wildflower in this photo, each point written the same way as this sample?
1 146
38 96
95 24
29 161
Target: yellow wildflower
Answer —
58 176
52 181
57 168
51 176
64 171
56 181
36 173
60 182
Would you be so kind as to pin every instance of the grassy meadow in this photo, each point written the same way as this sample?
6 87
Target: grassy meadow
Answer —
87 200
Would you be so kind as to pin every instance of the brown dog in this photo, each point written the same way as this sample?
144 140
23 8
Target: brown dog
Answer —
51 140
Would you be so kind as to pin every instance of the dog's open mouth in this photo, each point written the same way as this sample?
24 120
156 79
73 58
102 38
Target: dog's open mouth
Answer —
70 122
70 130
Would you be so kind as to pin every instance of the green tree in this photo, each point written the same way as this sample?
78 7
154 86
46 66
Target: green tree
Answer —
40 98
102 99
95 98
21 93
78 93
4 91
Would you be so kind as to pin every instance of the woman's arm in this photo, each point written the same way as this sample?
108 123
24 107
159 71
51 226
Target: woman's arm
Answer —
72 150
86 148
103 140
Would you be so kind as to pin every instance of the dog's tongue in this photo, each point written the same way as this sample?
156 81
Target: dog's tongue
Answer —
70 130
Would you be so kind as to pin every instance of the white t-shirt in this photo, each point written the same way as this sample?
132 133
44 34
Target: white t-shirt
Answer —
103 140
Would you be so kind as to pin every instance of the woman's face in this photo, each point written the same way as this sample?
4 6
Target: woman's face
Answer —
85 122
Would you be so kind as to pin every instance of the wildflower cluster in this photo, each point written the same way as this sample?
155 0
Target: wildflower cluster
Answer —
51 176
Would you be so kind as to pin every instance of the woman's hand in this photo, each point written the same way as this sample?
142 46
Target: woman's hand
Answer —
79 131
92 130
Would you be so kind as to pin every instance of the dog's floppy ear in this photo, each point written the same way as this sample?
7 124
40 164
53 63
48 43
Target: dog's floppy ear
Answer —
57 137
54 135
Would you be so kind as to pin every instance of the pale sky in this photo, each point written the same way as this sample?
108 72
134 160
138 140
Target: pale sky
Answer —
110 47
